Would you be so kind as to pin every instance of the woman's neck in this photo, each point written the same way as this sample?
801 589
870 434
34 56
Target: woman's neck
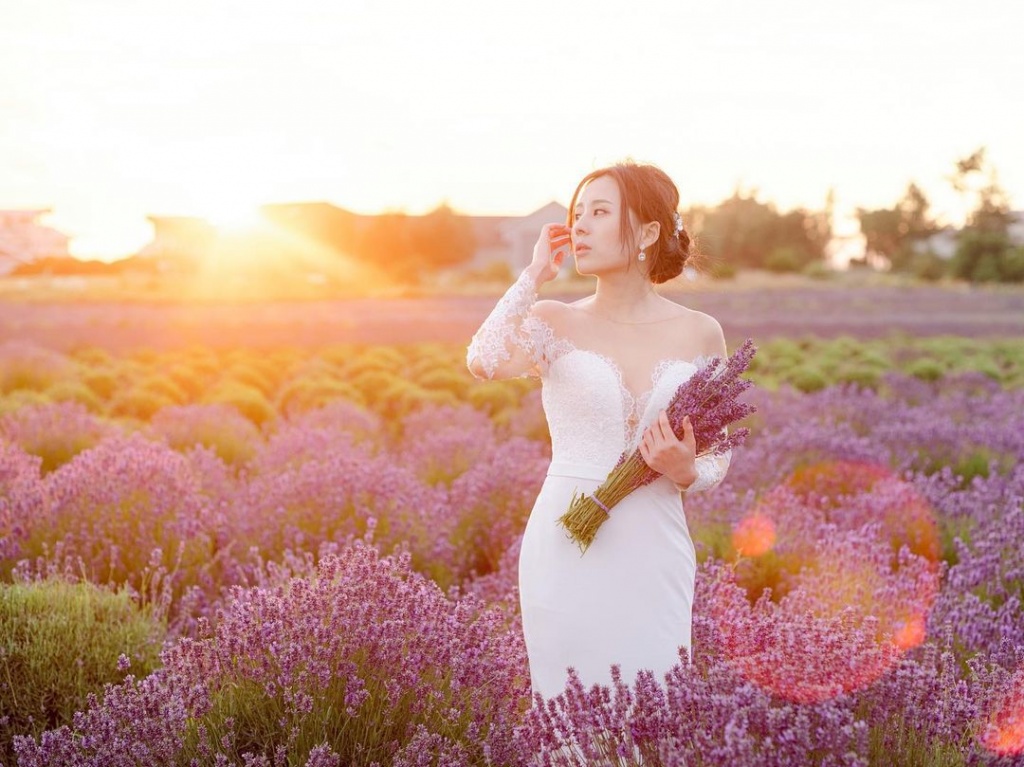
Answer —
624 297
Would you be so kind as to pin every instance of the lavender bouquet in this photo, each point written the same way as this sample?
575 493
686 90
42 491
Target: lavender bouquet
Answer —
711 398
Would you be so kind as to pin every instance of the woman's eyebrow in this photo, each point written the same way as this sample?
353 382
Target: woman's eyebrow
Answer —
606 202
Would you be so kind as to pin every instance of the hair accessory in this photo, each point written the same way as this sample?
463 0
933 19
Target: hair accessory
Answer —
642 256
679 224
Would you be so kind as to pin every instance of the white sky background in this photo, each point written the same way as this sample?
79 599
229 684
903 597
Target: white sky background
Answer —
114 109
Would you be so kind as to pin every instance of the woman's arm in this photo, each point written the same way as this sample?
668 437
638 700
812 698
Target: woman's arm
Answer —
501 348
710 470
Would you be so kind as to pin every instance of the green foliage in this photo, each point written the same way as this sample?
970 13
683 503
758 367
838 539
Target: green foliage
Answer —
863 376
497 271
138 402
33 370
190 379
92 356
492 396
21 398
808 378
984 256
784 259
817 270
925 369
163 386
61 641
75 391
952 529
444 379
103 382
893 232
809 364
248 400
741 231
975 179
901 742
1013 265
249 376
57 448
927 266
721 270
233 438
312 393
399 398
405 248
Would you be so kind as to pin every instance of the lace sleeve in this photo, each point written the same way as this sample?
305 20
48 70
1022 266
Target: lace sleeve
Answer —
502 333
711 469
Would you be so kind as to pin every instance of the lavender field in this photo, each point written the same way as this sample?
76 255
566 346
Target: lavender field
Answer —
303 553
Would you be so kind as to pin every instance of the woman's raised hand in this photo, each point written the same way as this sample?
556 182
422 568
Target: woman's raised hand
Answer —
549 252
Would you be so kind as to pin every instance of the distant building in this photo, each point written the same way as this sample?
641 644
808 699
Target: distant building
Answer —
23 239
942 243
510 239
1016 228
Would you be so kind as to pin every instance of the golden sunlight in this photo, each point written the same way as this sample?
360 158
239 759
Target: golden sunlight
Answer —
237 218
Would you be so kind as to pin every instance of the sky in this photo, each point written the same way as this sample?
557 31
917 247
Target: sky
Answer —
112 110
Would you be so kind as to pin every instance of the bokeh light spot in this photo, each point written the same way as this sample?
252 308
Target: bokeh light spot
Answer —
754 536
911 634
1004 734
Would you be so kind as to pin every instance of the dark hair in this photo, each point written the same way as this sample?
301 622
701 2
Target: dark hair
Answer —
649 194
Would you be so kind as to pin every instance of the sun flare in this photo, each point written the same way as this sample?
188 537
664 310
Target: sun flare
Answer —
237 218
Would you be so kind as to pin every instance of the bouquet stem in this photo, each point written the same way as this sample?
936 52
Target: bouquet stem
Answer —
588 512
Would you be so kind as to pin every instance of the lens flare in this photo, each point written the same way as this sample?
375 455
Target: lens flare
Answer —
836 572
910 634
754 536
1003 733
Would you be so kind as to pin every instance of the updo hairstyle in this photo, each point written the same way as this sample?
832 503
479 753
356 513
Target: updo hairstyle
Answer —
649 195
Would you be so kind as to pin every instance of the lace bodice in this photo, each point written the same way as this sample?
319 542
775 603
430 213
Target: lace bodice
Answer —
592 415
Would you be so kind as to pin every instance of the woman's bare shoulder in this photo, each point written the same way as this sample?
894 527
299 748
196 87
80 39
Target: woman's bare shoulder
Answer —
703 331
550 309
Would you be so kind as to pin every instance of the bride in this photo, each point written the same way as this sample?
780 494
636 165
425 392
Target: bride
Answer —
609 364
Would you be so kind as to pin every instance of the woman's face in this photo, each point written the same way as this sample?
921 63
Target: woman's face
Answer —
596 242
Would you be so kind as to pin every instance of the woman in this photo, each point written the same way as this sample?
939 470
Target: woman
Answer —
609 364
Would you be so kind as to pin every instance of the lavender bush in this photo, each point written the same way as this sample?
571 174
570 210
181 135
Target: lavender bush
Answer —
358 652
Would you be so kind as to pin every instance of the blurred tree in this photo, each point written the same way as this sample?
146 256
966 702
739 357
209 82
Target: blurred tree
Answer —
985 252
743 232
988 256
893 232
386 243
975 178
443 238
405 248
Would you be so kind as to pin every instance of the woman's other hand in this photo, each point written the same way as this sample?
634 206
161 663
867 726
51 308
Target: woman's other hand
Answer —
668 455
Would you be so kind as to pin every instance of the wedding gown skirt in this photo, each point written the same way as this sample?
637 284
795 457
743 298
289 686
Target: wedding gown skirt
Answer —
626 601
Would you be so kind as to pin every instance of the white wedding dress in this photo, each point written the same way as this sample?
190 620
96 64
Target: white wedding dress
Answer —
628 599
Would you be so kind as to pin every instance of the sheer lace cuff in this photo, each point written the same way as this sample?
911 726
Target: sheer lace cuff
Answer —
502 331
711 470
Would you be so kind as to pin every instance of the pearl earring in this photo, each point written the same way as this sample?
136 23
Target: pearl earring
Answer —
642 256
